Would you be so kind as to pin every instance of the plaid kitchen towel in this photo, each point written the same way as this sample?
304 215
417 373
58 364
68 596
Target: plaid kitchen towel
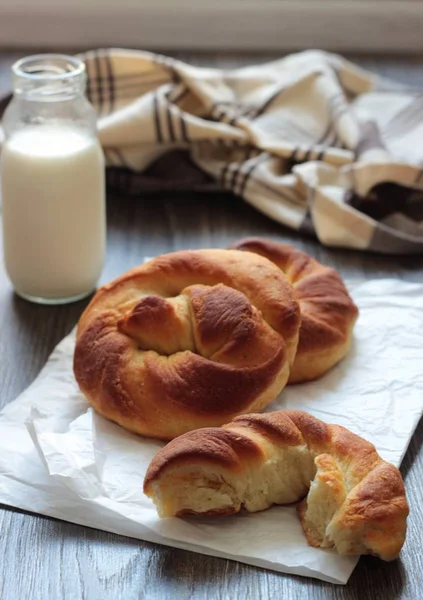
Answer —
310 140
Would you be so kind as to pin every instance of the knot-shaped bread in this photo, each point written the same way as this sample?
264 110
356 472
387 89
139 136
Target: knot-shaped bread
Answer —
189 339
354 500
328 314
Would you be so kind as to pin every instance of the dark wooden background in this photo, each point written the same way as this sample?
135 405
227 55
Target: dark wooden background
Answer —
45 559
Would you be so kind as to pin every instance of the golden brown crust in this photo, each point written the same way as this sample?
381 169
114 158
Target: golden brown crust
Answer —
167 275
189 339
328 313
286 427
210 445
369 507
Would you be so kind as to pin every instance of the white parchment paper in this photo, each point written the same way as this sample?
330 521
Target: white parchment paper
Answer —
59 458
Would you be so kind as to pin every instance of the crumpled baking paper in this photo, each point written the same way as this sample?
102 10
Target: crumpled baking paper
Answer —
59 458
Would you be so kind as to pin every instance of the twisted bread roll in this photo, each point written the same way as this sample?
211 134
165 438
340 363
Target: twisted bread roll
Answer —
187 340
327 312
356 501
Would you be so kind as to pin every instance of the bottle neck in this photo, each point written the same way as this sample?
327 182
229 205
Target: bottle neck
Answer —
49 78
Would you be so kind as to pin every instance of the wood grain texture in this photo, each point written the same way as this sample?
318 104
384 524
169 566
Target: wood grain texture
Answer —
45 559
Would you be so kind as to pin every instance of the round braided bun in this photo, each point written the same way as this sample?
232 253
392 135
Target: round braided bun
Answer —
189 339
327 312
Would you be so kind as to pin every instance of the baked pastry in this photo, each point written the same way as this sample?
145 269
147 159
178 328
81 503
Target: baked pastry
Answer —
355 502
327 312
189 339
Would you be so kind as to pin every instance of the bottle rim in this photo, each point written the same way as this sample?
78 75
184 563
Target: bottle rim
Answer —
48 67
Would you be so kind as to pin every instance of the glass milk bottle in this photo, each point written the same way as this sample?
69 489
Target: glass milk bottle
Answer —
52 182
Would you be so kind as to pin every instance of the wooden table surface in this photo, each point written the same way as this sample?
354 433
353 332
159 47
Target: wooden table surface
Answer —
45 559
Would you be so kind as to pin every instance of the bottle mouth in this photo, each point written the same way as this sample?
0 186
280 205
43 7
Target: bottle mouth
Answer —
49 76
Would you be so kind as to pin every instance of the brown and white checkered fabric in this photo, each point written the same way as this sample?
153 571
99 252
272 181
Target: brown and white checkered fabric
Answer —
311 140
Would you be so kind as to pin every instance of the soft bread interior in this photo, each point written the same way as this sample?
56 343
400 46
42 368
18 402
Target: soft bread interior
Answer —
281 479
327 493
194 490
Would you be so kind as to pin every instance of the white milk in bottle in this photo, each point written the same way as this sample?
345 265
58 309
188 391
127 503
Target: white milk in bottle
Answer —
52 181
